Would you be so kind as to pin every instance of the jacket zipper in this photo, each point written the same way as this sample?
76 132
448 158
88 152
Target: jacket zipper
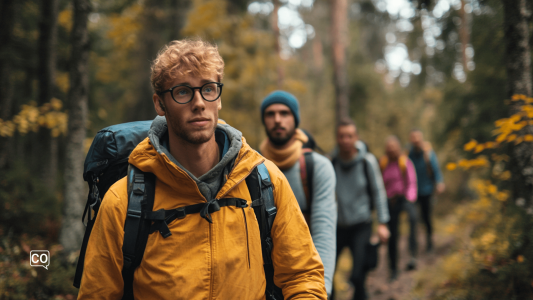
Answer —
247 244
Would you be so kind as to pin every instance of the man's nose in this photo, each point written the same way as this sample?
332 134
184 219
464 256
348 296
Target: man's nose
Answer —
197 101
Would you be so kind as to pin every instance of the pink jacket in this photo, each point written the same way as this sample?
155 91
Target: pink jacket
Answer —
397 183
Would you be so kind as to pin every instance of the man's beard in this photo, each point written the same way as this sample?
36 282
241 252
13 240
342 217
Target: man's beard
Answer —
280 141
193 137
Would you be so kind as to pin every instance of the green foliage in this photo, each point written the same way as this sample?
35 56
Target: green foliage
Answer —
493 253
25 206
18 280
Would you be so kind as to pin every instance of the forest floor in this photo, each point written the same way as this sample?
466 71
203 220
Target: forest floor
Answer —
377 283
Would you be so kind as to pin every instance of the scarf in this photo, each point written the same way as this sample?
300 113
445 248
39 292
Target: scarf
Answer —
284 158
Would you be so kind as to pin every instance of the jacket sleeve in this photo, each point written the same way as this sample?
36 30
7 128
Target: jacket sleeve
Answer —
324 216
411 188
102 275
377 188
298 269
435 167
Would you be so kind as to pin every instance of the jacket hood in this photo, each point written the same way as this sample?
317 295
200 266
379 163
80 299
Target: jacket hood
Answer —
152 156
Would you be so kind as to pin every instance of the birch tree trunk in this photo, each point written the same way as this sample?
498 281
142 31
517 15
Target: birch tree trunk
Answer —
72 228
339 37
518 67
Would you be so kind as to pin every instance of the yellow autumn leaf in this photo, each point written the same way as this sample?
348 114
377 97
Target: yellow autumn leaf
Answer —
515 118
56 104
520 258
500 138
479 148
490 145
519 140
500 122
470 145
528 138
65 19
506 175
502 196
511 137
463 163
492 189
102 113
451 166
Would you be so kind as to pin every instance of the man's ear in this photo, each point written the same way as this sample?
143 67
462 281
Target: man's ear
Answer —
158 104
219 104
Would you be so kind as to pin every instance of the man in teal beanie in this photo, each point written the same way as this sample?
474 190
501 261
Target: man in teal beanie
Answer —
310 175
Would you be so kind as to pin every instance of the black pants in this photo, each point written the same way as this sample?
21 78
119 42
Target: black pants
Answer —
425 209
356 238
412 212
396 205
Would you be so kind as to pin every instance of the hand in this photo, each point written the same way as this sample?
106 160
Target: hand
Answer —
440 187
383 233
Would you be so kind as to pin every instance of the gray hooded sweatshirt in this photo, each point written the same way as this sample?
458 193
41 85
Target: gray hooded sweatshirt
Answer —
352 191
210 183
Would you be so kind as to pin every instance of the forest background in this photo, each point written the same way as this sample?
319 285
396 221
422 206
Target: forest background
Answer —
436 65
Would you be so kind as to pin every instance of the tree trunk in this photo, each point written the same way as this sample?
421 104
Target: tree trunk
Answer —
339 36
518 67
275 29
7 19
464 34
47 145
149 44
72 228
180 9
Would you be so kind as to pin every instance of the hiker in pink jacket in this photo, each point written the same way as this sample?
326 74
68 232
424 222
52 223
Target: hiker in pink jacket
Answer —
399 177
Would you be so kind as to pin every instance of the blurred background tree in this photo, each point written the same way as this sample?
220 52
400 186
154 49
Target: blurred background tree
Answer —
437 65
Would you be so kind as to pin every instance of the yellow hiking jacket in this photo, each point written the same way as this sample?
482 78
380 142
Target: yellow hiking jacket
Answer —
199 260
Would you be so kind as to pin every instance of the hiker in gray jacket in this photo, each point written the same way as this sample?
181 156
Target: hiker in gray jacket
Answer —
359 187
310 174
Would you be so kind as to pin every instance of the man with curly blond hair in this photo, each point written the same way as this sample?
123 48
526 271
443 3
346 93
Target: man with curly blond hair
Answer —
198 160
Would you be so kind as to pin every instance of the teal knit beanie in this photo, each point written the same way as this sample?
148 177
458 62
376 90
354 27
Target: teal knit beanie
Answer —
285 98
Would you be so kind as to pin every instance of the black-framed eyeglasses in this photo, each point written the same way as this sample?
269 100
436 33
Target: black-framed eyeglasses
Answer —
184 94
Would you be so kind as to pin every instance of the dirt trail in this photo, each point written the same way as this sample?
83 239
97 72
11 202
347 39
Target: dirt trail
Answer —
378 286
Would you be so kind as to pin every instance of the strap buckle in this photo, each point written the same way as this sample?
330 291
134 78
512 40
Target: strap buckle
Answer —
180 213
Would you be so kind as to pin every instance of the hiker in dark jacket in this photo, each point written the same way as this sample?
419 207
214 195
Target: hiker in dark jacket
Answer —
358 183
428 175
285 147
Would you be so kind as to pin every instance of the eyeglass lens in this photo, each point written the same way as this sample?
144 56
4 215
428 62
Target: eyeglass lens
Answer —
183 94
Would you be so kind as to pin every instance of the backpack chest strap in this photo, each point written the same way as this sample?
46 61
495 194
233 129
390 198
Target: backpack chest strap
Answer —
161 218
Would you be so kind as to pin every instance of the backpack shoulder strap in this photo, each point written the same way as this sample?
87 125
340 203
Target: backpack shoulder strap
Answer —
383 162
141 192
426 152
262 194
307 169
368 187
93 204
402 163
